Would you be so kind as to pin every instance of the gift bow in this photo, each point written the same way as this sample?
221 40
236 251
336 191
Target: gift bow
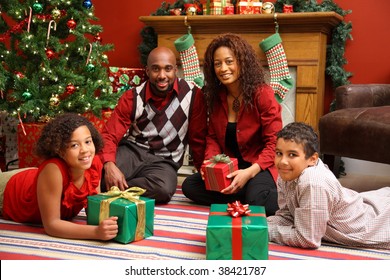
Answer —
131 194
236 209
220 158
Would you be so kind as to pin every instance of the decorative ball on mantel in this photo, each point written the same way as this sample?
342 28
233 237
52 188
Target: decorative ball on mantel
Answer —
190 9
268 8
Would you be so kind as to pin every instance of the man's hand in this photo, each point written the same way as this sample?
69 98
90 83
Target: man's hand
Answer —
114 177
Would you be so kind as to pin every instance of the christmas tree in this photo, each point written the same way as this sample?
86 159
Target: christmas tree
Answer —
52 59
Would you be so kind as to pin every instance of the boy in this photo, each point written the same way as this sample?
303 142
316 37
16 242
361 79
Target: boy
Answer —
313 206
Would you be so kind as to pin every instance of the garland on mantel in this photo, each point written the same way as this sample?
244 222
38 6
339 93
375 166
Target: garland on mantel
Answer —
335 59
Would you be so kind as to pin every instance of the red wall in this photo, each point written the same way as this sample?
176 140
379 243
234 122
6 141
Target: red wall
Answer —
367 54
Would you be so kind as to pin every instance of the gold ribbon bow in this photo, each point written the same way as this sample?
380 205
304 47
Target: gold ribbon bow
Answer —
131 194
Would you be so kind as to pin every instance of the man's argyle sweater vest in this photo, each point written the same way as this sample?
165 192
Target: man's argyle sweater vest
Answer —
162 133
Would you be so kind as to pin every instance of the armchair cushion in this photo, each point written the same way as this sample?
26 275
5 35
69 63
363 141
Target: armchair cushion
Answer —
359 128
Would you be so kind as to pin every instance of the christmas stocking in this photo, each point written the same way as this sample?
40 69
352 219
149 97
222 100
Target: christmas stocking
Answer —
281 80
189 59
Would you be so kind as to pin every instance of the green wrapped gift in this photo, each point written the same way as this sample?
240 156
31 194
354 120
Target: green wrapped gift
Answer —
236 238
135 213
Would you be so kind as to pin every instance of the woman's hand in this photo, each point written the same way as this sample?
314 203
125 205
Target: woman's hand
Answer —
240 178
107 229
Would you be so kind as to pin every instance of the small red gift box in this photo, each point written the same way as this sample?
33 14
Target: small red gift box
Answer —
215 171
249 7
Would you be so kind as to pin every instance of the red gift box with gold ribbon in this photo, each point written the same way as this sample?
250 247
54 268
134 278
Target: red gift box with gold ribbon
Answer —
215 171
240 233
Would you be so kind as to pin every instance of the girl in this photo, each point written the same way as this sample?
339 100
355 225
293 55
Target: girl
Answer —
55 192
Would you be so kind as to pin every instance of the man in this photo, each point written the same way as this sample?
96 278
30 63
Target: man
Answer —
146 136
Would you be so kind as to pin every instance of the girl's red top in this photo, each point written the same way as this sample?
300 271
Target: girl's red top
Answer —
20 196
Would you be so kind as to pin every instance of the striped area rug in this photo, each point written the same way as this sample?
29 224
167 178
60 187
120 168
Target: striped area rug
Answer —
179 233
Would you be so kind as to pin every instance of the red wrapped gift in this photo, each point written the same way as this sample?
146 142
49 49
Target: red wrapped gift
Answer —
249 7
123 78
288 8
228 10
215 171
28 134
215 7
96 121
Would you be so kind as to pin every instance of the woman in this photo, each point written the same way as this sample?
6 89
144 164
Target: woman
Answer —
244 118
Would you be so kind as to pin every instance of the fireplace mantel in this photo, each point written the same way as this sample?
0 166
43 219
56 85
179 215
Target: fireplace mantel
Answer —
304 37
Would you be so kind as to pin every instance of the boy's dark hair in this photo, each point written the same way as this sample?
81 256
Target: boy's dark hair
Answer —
301 133
56 135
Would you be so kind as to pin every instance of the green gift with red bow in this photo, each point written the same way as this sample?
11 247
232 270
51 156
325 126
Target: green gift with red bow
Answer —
135 213
236 232
215 171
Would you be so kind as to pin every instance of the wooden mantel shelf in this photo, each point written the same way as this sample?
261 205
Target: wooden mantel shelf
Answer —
293 22
304 38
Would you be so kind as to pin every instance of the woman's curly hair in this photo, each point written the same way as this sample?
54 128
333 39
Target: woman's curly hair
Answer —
252 73
57 133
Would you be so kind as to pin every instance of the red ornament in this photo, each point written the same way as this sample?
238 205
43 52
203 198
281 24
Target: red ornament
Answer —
50 53
97 38
19 75
70 89
71 24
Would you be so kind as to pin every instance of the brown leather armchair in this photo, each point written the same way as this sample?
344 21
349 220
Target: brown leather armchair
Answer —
359 128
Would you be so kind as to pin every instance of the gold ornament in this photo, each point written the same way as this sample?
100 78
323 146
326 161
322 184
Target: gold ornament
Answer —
191 11
268 8
56 13
54 100
44 119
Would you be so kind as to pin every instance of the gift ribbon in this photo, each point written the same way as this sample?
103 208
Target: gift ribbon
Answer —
236 209
212 179
237 225
131 194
